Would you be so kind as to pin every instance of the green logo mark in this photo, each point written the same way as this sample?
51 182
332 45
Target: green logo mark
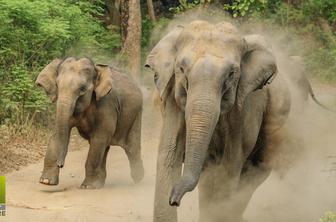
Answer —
2 195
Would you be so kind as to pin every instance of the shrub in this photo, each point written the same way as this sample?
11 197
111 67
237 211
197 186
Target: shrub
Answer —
312 22
244 7
328 217
19 98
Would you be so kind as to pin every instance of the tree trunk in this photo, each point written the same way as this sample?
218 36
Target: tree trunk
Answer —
131 35
124 15
113 11
151 10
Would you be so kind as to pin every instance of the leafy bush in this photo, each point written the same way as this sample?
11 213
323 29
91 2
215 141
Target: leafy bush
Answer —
185 5
147 27
328 217
244 7
19 97
313 24
307 10
32 33
320 9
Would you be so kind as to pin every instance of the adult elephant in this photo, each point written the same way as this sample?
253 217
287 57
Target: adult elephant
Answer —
223 104
104 104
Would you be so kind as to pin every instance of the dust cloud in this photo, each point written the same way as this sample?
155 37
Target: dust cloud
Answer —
300 189
302 186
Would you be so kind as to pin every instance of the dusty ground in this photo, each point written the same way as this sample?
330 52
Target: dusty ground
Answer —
21 149
18 150
300 195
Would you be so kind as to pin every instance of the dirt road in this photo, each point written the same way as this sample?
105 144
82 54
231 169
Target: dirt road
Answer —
302 194
119 201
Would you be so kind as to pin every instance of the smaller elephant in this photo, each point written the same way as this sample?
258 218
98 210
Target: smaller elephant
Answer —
105 106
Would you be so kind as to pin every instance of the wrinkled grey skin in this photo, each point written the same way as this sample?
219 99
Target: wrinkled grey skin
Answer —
223 103
105 106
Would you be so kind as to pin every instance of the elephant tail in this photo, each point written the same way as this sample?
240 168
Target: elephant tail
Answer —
312 94
297 63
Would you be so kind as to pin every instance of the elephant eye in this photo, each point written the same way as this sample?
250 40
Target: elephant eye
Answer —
186 83
182 70
156 77
82 88
232 72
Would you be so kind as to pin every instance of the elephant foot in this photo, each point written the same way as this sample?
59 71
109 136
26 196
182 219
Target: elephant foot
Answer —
50 176
137 171
93 183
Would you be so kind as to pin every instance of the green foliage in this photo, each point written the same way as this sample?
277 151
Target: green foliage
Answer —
147 31
328 217
147 27
244 7
320 9
32 33
307 13
19 98
312 22
321 61
186 4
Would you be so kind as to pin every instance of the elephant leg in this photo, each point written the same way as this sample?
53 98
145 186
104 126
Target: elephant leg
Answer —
169 166
227 173
215 195
169 161
95 173
251 174
50 172
232 208
205 193
255 171
103 164
251 179
133 150
225 182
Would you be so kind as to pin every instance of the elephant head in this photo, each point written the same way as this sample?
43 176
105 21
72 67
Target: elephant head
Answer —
74 84
212 69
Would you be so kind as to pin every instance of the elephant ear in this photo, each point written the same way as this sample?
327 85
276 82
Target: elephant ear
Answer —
47 79
258 67
104 81
161 60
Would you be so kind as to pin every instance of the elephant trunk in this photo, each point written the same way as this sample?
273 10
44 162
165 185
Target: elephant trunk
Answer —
65 109
202 113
